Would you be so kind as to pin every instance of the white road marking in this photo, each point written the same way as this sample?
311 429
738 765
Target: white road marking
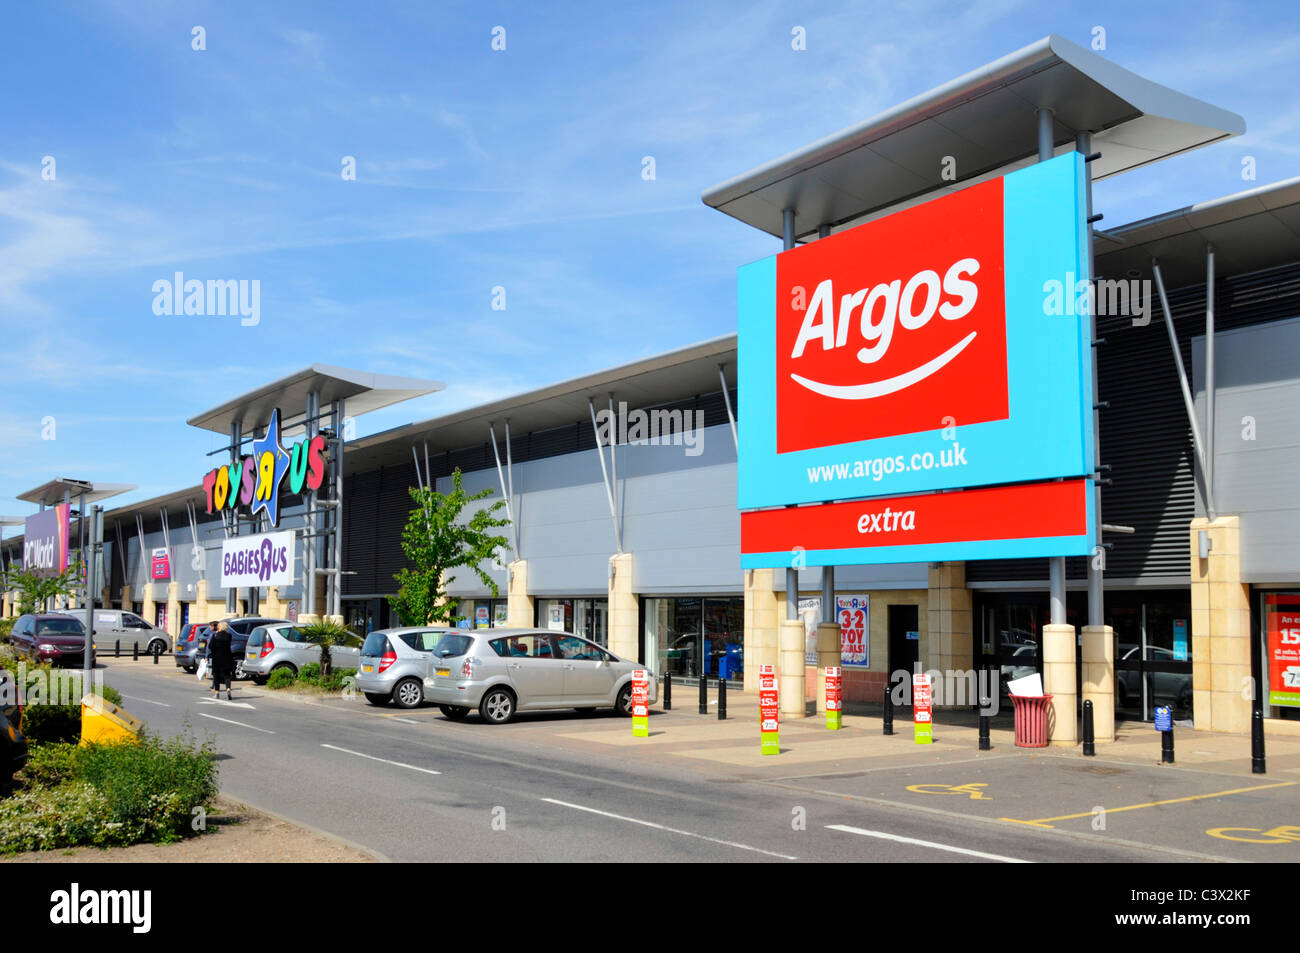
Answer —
228 721
924 843
147 701
383 760
225 703
406 721
671 830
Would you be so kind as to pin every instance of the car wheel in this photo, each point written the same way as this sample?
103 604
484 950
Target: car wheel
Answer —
623 706
454 712
239 669
283 667
497 706
378 699
408 693
191 669
156 647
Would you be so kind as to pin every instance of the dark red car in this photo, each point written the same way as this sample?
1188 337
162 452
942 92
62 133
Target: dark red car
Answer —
51 637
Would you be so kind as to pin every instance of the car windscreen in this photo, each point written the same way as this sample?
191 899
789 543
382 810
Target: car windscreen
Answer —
451 645
376 644
59 627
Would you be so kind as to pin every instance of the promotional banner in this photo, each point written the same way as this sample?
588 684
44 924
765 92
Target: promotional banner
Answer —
853 613
160 564
640 703
769 717
45 541
1037 519
945 345
834 703
1283 621
922 712
265 560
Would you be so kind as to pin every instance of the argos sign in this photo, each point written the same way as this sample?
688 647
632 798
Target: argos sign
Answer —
913 353
255 480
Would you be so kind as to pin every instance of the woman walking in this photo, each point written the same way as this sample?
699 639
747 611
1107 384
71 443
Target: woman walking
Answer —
219 658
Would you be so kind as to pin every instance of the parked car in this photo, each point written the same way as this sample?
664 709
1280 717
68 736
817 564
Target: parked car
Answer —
395 662
13 746
187 645
118 625
51 637
273 647
240 629
504 671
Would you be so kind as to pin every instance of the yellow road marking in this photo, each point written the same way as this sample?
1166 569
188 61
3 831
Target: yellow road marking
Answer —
1044 821
1279 835
970 789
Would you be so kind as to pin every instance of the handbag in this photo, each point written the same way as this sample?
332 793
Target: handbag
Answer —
202 669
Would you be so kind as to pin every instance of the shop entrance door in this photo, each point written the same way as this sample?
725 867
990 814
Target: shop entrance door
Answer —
904 644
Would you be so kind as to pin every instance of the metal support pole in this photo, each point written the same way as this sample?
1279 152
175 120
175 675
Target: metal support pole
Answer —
87 657
232 525
1209 382
787 228
311 517
791 593
1056 569
1096 575
828 594
823 231
1046 135
613 470
726 396
505 492
340 409
609 494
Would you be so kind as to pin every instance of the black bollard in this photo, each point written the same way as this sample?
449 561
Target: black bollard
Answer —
156 653
135 652
704 694
117 649
889 713
668 691
1089 740
1257 742
1167 746
722 699
985 744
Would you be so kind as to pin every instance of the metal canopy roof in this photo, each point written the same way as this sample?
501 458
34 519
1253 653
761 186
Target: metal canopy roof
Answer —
1250 231
986 121
362 390
648 383
52 493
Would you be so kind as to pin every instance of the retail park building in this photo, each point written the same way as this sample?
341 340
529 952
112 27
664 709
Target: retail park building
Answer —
638 545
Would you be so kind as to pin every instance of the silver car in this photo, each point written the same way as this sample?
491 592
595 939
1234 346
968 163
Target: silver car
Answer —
275 647
394 663
502 671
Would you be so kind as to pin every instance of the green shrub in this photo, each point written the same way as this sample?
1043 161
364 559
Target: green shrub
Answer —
281 678
338 679
6 626
52 764
64 816
153 786
310 673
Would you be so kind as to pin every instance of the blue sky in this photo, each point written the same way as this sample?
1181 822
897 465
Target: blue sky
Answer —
474 169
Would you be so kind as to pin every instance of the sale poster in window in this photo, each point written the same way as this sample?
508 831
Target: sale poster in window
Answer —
853 612
1283 615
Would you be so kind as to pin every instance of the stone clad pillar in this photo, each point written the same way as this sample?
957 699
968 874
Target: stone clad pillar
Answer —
126 597
173 610
828 655
623 609
793 677
147 604
950 643
1059 644
1099 679
760 624
1221 631
521 612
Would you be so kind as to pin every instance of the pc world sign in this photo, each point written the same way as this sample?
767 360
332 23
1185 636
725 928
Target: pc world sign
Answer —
913 354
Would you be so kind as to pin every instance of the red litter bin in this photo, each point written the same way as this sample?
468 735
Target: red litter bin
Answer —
1031 720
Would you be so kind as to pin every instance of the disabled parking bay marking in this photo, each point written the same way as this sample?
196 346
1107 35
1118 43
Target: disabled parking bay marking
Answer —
971 790
1286 834
1048 821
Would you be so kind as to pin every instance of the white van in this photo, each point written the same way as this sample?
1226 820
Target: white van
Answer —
118 625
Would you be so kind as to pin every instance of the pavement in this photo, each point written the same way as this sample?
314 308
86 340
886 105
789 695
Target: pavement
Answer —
411 785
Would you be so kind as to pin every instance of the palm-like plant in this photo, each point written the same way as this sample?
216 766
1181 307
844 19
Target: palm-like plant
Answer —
327 634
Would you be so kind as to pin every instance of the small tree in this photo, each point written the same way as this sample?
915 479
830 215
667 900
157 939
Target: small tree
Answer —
34 588
435 540
328 634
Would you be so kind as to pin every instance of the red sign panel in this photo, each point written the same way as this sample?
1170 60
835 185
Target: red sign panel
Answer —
1283 614
1002 512
907 311
833 701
